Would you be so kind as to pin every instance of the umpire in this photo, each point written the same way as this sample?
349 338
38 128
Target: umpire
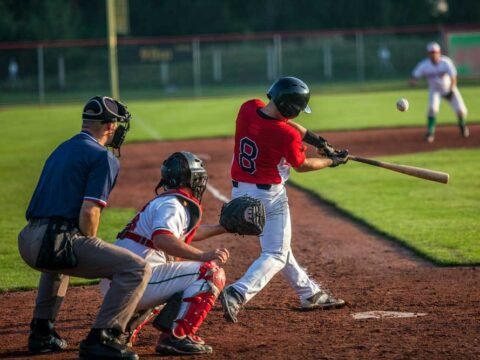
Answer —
60 237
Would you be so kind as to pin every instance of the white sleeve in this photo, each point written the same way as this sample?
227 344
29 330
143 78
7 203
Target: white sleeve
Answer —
417 73
168 217
451 69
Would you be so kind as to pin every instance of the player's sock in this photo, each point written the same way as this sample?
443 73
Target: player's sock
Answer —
431 125
463 127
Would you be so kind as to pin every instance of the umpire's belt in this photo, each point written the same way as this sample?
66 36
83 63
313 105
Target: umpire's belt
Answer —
139 239
58 219
259 186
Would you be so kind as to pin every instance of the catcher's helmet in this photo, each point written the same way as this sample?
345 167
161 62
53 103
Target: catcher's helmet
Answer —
290 95
184 169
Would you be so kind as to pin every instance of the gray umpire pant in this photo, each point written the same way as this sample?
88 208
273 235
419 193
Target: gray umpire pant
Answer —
96 259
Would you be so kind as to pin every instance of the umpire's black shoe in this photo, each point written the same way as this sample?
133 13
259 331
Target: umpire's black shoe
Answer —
172 345
43 337
104 344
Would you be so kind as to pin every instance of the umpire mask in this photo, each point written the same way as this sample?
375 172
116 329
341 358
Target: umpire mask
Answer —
184 169
107 110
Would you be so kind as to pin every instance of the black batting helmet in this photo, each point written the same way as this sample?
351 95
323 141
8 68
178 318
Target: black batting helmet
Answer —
184 169
290 95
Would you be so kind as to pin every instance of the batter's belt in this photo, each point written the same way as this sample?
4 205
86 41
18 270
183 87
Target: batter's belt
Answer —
259 186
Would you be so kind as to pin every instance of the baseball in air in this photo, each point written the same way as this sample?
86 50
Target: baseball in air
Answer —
402 104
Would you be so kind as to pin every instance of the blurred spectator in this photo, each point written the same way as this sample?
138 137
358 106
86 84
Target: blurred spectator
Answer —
386 66
12 71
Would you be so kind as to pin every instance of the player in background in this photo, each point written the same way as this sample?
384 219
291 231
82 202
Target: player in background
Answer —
161 233
266 147
441 75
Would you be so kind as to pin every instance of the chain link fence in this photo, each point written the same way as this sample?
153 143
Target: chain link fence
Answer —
208 65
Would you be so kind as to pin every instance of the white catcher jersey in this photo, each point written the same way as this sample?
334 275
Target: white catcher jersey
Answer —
439 76
164 214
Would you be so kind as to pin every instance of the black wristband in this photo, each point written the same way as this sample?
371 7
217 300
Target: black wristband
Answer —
314 139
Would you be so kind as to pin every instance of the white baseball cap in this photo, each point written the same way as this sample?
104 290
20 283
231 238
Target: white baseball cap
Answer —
433 47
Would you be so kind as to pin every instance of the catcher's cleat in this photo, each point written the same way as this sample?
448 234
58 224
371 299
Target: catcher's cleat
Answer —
321 300
232 303
43 337
171 345
195 338
105 344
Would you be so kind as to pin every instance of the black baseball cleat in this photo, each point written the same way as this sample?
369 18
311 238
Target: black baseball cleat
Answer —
232 303
172 345
321 300
105 344
43 338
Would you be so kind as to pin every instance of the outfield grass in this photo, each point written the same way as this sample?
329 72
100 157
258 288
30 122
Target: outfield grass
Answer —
196 118
440 222
30 133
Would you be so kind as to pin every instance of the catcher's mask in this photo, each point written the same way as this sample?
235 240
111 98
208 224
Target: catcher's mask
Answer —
290 95
184 169
107 110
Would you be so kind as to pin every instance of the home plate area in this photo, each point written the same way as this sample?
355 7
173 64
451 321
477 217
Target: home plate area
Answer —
385 315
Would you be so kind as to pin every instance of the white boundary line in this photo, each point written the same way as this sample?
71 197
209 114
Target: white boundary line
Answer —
147 128
217 194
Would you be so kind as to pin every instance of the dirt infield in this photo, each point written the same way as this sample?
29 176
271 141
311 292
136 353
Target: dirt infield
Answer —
368 271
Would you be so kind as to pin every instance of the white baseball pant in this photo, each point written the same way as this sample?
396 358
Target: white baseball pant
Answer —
275 242
456 102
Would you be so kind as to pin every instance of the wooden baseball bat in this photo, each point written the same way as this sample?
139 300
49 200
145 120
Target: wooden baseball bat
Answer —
421 173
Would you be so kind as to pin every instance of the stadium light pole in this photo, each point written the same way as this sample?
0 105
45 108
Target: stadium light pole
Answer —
112 49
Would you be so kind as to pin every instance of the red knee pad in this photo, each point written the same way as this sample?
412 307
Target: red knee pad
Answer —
214 275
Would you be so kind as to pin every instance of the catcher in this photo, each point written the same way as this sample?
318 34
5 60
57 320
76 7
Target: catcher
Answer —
161 233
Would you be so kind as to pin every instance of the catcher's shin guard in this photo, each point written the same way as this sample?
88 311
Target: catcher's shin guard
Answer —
199 305
138 321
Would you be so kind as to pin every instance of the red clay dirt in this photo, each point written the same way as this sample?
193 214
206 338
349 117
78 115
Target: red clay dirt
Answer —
369 271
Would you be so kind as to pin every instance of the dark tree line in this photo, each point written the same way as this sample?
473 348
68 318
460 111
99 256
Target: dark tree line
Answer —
75 19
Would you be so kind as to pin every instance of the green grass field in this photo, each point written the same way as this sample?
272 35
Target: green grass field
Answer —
440 222
30 133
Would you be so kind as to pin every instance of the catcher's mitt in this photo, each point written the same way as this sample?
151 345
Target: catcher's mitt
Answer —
244 216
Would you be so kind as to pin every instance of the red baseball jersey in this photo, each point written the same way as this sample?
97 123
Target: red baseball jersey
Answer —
265 148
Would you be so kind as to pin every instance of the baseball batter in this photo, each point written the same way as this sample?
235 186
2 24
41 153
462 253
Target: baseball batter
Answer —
266 148
441 75
163 231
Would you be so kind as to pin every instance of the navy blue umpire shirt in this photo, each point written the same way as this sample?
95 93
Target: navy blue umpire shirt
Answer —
78 169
